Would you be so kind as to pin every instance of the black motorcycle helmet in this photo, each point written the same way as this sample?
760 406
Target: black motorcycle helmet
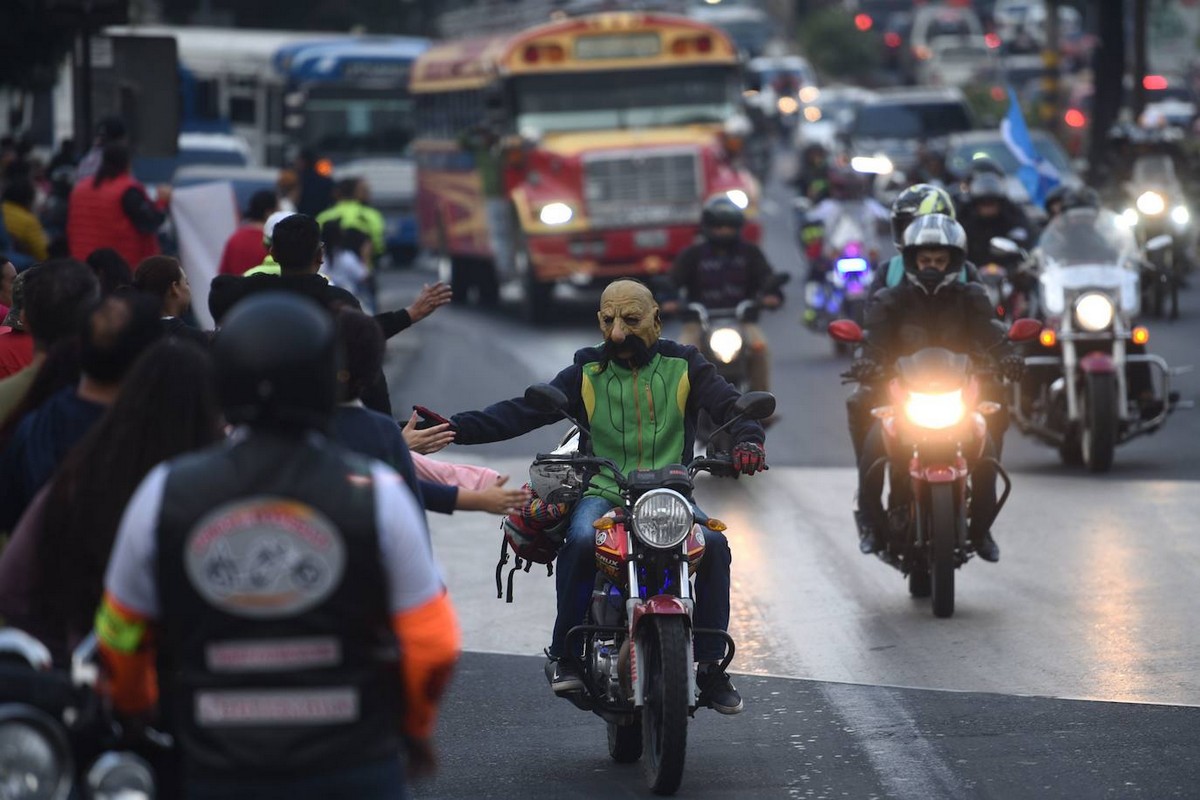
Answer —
277 361
915 201
721 212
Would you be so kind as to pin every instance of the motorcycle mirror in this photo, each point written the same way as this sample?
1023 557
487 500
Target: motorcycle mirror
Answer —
545 397
1024 330
755 405
846 330
1161 242
1004 246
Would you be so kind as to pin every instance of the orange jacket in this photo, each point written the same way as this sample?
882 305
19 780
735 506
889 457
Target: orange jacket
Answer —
95 219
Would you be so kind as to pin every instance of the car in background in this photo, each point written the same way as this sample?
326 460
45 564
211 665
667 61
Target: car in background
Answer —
783 84
931 23
889 130
244 180
393 187
964 148
212 149
829 114
957 61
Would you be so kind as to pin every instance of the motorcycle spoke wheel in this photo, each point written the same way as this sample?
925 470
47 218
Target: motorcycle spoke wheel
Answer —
943 533
665 713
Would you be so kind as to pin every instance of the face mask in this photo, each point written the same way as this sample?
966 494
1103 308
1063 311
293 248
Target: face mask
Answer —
931 278
630 306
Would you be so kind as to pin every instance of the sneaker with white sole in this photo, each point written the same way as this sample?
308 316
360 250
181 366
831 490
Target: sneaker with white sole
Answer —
716 690
564 676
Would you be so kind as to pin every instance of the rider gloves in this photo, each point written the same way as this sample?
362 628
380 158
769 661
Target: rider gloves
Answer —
749 458
866 370
1012 367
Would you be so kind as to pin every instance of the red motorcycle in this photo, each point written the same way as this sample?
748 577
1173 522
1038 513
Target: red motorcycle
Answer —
936 422
637 664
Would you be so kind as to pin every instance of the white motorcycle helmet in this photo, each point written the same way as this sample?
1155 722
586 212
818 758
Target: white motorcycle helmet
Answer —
934 230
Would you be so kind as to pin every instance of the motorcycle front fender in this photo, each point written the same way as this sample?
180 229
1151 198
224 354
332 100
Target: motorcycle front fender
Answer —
937 473
659 605
1096 363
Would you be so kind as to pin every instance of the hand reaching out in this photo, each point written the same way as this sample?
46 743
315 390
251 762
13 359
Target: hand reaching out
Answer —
431 298
495 499
428 441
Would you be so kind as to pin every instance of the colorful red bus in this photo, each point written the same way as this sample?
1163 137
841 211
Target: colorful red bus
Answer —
575 152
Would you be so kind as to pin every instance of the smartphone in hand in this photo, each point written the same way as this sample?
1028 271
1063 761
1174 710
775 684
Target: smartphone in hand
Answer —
429 418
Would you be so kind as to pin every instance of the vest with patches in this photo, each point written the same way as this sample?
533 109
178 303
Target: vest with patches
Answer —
637 416
277 655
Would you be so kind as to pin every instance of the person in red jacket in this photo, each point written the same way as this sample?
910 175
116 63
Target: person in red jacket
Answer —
247 248
113 210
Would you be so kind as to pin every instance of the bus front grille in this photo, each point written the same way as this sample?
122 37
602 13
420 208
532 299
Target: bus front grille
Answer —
623 189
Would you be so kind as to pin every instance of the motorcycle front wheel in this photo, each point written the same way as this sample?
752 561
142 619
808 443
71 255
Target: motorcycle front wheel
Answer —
943 532
1098 441
665 713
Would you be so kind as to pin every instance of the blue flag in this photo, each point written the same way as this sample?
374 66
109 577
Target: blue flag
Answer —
1036 173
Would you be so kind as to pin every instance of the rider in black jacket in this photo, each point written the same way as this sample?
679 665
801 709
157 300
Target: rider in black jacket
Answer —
987 213
931 308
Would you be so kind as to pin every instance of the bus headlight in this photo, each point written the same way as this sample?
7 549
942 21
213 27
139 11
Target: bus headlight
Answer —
739 198
556 214
1180 215
662 518
935 411
1094 312
1151 203
725 344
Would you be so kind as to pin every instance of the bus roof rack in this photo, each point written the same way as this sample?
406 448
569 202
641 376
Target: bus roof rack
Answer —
485 17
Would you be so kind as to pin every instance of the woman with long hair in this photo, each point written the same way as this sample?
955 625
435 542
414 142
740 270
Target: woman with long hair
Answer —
52 572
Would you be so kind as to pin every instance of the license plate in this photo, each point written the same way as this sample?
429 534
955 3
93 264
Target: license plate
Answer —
650 239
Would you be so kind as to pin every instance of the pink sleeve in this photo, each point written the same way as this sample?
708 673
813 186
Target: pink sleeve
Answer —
464 476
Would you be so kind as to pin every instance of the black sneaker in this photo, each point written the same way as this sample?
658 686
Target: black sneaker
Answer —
716 690
986 548
564 676
869 540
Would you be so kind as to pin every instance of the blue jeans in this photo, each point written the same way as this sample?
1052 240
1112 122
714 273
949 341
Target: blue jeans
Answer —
382 780
576 577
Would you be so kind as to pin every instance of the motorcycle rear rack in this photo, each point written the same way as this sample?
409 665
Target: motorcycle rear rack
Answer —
593 700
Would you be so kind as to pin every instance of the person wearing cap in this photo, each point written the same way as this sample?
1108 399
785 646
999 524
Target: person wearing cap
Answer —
269 265
247 247
275 597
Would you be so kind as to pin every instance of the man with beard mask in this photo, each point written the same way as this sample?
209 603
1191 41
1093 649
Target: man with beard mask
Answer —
640 395
117 332
931 308
722 271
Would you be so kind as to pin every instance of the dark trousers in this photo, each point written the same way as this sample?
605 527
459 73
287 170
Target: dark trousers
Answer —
870 484
576 577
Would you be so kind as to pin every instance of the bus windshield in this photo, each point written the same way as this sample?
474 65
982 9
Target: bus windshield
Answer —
626 99
343 123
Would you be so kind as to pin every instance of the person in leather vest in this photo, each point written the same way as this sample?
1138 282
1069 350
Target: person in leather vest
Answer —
113 210
280 588
721 271
931 308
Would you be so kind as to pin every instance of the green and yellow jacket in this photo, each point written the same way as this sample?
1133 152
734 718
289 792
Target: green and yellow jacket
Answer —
643 418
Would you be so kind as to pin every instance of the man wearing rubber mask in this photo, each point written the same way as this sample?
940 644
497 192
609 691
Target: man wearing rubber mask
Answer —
640 395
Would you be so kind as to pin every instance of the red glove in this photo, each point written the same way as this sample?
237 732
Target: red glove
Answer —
749 458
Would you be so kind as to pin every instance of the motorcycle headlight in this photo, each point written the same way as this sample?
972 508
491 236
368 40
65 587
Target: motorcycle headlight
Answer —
725 343
935 411
121 776
662 518
1129 217
35 764
1094 311
1151 203
1180 215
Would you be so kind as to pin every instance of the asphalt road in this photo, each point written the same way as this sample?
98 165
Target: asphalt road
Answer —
1094 600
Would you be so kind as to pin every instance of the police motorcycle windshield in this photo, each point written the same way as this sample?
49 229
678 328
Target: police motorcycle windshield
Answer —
1089 250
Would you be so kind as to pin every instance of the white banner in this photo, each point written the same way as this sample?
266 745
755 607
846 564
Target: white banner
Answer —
204 216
